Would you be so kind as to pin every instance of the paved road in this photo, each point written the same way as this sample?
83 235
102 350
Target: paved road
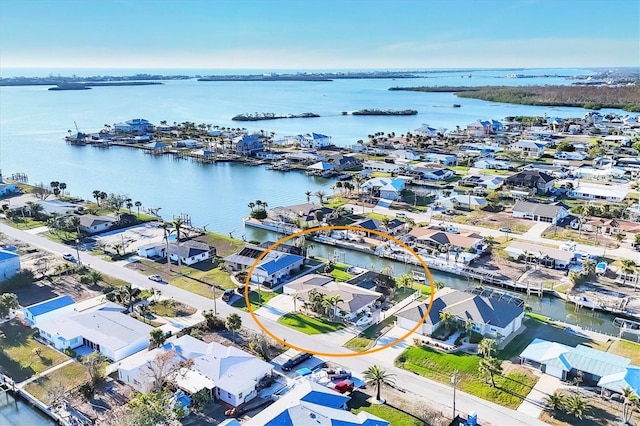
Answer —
438 392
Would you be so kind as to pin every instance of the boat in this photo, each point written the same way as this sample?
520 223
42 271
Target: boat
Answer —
601 268
457 105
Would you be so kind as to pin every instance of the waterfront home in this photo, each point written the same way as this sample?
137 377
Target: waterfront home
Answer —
466 202
304 157
270 155
152 250
355 300
307 403
136 125
321 167
306 215
188 143
9 264
393 227
479 128
433 238
492 163
227 373
405 154
314 140
426 131
382 166
243 260
535 253
492 316
387 188
431 172
104 328
597 368
614 193
92 224
7 188
190 252
49 207
599 173
476 149
439 158
541 182
539 212
482 181
34 314
247 145
276 267
528 148
156 147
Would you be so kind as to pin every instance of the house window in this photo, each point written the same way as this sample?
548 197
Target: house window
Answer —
229 395
240 395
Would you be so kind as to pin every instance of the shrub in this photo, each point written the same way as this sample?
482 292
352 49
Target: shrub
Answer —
475 337
70 353
19 280
87 390
259 214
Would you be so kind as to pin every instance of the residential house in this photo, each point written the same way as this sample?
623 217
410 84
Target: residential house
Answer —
155 146
382 166
438 158
152 250
599 173
393 227
597 192
189 143
596 368
574 129
33 314
104 328
247 145
92 224
137 125
306 215
314 140
276 267
467 202
566 155
528 148
321 167
535 253
479 149
355 300
426 131
541 182
482 181
243 260
479 128
309 403
539 212
231 375
7 188
491 316
492 163
405 154
387 188
433 238
344 162
9 264
557 171
190 252
426 172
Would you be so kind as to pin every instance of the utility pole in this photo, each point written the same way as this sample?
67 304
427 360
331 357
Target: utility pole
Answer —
215 308
454 382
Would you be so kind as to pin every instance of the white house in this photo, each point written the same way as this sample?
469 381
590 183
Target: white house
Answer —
189 143
432 173
479 128
189 252
469 202
230 373
426 131
491 316
546 256
93 224
381 166
612 193
528 148
151 250
492 163
314 140
539 212
103 328
605 173
566 155
444 159
387 188
136 125
40 311
482 181
404 154
275 267
9 264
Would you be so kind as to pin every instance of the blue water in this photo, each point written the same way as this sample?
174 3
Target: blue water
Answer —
18 413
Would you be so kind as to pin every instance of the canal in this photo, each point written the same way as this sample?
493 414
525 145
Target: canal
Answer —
17 412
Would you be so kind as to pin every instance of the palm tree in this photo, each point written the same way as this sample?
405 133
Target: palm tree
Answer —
555 401
439 285
74 223
96 195
627 266
630 400
576 406
320 195
157 337
329 303
487 347
446 318
468 326
385 221
128 203
233 324
177 225
138 204
377 376
94 276
405 280
488 367
251 206
308 195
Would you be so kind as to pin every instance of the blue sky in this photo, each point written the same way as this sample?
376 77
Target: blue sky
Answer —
312 34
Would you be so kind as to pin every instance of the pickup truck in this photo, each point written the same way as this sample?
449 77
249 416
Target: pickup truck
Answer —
337 373
344 386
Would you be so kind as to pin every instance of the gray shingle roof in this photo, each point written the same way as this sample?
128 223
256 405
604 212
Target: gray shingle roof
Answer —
545 210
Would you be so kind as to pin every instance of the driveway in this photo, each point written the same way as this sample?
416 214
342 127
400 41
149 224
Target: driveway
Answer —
276 307
533 404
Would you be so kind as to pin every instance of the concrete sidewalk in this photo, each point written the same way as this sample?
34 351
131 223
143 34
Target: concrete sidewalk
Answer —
534 403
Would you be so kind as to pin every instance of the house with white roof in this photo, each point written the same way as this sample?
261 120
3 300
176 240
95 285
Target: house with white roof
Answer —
612 193
482 181
426 131
492 163
104 328
528 148
136 125
308 403
387 188
229 373
9 264
539 212
405 154
381 166
459 201
428 172
314 140
438 158
491 316
604 173
535 253
566 155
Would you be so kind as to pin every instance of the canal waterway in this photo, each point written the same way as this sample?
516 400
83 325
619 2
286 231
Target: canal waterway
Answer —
16 412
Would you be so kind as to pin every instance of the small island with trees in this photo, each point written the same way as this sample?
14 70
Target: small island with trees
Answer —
271 116
590 97
384 112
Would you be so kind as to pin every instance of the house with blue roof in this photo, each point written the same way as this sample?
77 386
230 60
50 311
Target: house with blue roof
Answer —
314 140
247 144
387 188
307 402
136 125
33 313
276 267
9 264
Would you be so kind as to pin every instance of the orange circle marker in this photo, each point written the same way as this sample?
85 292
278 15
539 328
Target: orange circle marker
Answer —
330 228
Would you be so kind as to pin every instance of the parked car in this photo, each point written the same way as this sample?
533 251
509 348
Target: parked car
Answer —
364 320
156 278
226 296
504 229
69 257
401 215
295 360
337 373
344 386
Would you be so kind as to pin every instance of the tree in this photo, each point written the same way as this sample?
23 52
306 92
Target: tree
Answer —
93 363
138 204
630 400
233 324
488 367
487 347
576 406
628 266
35 210
446 318
8 301
308 195
151 409
439 285
554 402
157 337
385 221
320 195
377 376
329 304
96 195
94 276
405 280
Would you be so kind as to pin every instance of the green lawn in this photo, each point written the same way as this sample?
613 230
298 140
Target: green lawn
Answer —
170 308
17 357
224 245
509 390
394 416
70 377
339 272
255 300
367 338
309 325
25 223
199 281
335 202
626 349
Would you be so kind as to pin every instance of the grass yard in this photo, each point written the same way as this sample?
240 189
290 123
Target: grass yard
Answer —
18 353
25 223
367 338
309 325
224 245
626 349
509 391
335 202
390 414
339 272
171 308
196 287
199 281
255 300
60 381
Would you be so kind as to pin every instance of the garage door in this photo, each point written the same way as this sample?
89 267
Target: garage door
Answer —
554 371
